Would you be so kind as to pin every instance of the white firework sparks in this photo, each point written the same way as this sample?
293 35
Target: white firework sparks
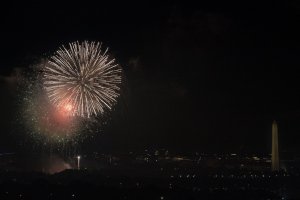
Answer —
82 79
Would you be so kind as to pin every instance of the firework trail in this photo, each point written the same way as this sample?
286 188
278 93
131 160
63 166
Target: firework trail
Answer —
82 80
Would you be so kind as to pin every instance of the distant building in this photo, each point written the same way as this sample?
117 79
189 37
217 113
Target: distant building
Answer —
275 150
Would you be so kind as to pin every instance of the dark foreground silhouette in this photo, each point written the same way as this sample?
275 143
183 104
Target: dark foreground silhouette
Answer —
112 184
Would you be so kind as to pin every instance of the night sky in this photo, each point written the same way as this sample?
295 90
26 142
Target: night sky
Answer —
208 77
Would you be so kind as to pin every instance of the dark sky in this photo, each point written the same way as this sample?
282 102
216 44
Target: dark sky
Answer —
207 76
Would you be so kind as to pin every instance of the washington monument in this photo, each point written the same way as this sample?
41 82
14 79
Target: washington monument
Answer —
275 151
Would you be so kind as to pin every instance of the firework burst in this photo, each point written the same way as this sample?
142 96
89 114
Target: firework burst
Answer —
82 80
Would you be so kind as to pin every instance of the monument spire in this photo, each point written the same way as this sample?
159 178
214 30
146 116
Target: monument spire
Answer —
275 151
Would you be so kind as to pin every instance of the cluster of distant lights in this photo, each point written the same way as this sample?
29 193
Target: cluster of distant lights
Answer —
170 185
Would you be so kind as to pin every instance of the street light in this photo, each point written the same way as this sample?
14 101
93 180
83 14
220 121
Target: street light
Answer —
78 162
